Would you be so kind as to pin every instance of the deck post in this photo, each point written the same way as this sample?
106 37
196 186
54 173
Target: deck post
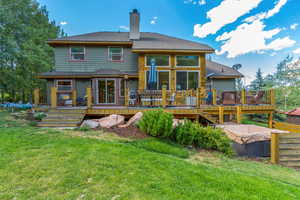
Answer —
214 96
270 120
238 114
126 98
36 94
272 96
53 97
202 95
275 148
243 96
198 96
74 97
221 115
89 97
164 96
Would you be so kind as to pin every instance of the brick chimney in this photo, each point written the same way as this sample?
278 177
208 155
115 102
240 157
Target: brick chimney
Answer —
134 33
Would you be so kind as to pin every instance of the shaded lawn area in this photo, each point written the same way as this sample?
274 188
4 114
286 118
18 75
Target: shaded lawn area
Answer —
51 164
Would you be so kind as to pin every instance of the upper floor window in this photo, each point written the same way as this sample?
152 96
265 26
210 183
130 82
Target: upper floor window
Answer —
77 53
160 60
115 54
64 85
187 61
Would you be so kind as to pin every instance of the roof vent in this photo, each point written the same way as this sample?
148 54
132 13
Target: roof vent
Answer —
134 33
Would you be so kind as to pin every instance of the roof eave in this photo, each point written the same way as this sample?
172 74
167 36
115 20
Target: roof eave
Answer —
76 42
173 51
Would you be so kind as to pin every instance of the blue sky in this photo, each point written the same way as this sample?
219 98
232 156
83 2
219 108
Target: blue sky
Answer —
255 33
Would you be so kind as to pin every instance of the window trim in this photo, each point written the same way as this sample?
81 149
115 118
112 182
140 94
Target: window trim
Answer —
158 65
120 94
110 57
97 90
158 78
70 54
70 80
187 84
199 62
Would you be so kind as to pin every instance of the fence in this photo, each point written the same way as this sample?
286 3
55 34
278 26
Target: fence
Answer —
285 147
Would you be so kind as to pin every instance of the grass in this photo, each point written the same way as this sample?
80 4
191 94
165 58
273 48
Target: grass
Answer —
54 164
248 121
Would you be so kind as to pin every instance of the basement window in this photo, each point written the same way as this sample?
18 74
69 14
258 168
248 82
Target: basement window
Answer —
77 53
115 54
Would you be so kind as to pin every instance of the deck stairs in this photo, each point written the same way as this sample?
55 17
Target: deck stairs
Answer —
63 118
210 118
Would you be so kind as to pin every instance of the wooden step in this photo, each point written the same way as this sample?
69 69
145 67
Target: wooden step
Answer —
289 146
289 152
64 114
57 124
67 111
61 119
289 141
289 163
292 158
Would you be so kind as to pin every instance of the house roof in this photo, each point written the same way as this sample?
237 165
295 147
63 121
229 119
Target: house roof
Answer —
148 41
217 70
295 112
213 70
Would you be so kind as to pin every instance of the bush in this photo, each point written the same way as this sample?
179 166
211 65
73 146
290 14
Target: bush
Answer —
157 123
214 139
185 133
189 133
39 116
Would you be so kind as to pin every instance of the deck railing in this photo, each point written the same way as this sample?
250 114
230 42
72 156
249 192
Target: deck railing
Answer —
165 98
196 98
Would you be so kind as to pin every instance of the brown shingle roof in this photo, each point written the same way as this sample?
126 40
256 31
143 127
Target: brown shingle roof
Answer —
215 70
295 112
148 41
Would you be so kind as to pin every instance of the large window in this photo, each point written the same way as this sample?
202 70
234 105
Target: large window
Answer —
187 80
64 85
187 61
163 78
115 54
77 53
160 60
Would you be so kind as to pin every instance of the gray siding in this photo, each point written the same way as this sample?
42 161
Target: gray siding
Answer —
95 58
223 84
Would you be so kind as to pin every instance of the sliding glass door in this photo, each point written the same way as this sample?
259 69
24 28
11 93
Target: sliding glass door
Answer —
106 91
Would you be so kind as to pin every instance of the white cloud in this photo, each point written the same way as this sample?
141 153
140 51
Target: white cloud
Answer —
225 13
251 36
202 2
153 20
269 13
63 23
296 51
126 28
294 26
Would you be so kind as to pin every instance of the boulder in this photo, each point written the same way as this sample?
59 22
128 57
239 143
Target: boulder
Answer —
111 121
133 120
90 123
176 122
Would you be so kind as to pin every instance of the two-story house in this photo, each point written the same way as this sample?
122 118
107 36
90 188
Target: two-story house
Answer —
108 62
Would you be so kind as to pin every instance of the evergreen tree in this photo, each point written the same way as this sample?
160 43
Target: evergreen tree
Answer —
24 29
258 83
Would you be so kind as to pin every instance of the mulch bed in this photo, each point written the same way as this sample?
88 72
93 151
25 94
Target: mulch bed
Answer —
129 132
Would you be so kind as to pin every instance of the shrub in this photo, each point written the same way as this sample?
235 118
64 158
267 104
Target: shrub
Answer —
157 123
214 139
39 116
185 132
32 123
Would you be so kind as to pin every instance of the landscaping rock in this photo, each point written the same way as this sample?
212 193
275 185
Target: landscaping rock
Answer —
111 121
176 122
133 120
90 123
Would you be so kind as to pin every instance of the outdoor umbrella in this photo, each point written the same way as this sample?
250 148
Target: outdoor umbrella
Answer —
152 82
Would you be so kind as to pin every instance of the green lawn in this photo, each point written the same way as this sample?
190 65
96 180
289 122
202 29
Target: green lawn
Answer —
52 164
